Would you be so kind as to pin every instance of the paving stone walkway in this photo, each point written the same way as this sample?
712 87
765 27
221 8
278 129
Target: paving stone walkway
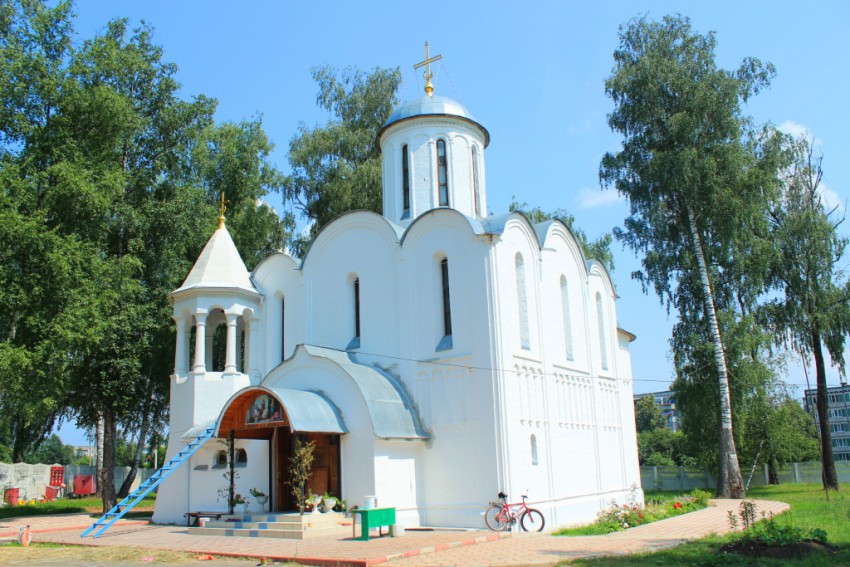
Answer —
420 548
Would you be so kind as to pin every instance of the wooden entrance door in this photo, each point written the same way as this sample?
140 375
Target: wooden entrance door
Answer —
325 473
282 451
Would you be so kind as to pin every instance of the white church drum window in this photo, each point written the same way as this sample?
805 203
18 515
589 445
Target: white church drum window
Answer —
476 187
443 172
447 308
264 409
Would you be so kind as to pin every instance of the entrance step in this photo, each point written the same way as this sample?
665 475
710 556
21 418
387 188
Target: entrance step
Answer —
277 525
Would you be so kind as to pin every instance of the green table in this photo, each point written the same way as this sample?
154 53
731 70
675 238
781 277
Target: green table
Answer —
372 518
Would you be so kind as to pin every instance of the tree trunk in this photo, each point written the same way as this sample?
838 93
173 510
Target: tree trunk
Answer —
730 482
107 476
772 471
137 455
828 474
98 471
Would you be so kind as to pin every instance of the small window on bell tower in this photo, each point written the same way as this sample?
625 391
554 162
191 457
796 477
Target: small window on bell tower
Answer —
443 172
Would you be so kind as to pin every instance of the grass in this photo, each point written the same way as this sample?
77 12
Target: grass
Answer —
809 509
91 505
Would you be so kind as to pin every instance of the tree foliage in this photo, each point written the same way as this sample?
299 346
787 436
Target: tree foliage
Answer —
811 310
337 167
696 180
648 416
110 183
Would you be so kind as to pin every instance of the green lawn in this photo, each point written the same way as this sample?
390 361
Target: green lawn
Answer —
809 509
91 505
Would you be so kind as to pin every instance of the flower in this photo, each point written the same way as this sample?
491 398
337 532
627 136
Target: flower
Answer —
677 505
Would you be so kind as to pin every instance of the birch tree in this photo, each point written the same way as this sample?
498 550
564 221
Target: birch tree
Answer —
812 311
693 176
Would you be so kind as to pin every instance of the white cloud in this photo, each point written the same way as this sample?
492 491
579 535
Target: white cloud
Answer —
592 198
831 199
797 130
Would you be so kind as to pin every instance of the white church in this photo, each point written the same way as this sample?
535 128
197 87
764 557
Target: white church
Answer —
435 355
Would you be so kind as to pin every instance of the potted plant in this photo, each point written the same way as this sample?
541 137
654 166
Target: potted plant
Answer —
299 469
328 502
260 497
314 500
240 504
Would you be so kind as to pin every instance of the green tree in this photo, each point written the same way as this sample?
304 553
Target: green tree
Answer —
337 167
648 416
46 283
692 176
662 448
111 181
812 309
599 249
51 451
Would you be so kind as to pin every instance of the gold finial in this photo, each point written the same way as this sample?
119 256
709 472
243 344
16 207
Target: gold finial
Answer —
429 88
221 209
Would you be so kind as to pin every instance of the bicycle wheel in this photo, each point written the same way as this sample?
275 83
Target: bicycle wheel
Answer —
532 521
495 519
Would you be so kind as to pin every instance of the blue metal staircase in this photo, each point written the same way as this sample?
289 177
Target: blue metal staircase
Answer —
146 487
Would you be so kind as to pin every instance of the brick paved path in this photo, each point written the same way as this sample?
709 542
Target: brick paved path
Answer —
437 548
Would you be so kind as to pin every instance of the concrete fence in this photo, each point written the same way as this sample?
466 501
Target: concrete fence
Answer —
31 480
687 478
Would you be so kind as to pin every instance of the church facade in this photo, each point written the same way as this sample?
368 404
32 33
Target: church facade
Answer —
434 355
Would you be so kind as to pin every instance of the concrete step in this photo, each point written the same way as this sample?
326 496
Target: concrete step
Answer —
279 525
274 533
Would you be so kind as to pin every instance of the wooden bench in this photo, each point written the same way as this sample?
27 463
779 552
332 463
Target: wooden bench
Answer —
372 518
193 518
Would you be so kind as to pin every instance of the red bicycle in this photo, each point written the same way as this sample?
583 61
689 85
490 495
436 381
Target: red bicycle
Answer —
499 515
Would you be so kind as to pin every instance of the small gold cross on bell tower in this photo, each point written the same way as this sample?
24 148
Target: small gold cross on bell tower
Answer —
221 210
429 88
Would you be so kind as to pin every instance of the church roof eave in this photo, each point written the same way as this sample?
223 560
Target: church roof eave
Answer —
215 287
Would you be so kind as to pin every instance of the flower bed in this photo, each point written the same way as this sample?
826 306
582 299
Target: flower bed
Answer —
618 517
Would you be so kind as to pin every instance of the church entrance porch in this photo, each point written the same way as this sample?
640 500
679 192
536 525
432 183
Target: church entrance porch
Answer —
279 416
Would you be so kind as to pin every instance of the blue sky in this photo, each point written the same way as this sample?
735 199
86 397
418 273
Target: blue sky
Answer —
531 72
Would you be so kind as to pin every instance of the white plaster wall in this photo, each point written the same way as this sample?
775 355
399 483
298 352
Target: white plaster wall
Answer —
452 389
279 277
361 245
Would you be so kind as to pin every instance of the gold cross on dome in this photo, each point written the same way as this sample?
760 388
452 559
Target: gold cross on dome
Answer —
429 88
221 209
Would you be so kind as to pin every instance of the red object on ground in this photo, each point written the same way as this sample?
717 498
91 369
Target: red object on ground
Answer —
57 476
11 496
84 485
51 493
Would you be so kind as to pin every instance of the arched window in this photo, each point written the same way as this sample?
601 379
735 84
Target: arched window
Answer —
534 460
476 187
522 302
355 289
603 350
220 460
447 307
241 458
405 179
282 328
357 308
443 172
568 326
